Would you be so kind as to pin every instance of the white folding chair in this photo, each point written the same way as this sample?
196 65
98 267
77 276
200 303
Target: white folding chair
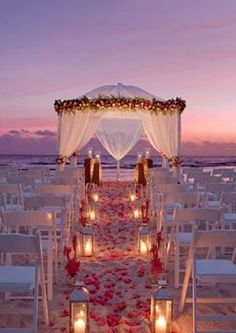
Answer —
61 206
13 195
184 219
28 222
24 279
228 201
170 201
213 192
60 190
26 181
211 270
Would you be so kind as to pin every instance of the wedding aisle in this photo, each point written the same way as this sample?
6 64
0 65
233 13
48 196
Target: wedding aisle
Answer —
117 277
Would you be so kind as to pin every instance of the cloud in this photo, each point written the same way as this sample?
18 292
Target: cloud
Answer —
45 133
208 148
45 142
26 142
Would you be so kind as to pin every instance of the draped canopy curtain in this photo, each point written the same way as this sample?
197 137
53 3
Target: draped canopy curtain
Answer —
118 136
162 130
75 131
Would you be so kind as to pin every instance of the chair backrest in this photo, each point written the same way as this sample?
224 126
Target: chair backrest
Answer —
2 203
19 243
55 189
159 172
64 181
223 172
45 201
205 179
165 188
35 172
218 188
71 175
30 218
164 180
185 199
12 190
21 179
214 238
204 218
228 201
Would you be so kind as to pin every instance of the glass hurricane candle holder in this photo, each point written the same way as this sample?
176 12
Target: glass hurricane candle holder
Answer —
79 309
92 213
87 241
144 241
95 197
132 197
137 213
161 311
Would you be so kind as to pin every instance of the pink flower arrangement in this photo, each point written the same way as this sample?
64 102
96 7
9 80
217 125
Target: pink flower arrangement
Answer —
73 265
156 264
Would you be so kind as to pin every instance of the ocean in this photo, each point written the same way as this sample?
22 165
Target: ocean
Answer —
128 162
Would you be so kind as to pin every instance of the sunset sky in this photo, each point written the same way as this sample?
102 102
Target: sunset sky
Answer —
57 49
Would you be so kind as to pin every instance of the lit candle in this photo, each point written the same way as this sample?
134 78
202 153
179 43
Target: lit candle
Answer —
90 153
139 157
136 214
88 248
79 326
92 215
95 197
132 197
143 247
160 325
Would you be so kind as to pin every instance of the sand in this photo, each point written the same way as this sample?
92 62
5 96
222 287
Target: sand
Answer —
117 277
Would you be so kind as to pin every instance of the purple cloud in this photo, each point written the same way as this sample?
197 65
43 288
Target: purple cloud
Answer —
45 133
26 142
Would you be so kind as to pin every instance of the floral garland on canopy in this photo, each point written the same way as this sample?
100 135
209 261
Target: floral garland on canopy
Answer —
85 104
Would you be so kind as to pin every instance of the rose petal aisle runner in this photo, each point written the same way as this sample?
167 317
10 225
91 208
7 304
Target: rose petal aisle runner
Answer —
117 276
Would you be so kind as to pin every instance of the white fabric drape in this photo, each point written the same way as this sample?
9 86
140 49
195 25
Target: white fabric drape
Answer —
163 132
75 131
119 136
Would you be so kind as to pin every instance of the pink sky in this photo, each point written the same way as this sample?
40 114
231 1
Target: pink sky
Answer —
58 50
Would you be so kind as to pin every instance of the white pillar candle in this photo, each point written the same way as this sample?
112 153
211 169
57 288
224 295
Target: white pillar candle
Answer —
136 213
79 326
160 325
143 247
88 248
95 197
132 197
92 215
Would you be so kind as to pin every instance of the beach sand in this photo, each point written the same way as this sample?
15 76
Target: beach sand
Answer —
117 277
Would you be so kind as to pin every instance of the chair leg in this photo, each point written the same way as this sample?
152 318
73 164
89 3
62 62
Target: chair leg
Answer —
44 296
50 276
185 286
177 264
36 302
194 292
167 252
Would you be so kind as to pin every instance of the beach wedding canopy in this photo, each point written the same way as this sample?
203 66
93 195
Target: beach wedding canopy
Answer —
118 115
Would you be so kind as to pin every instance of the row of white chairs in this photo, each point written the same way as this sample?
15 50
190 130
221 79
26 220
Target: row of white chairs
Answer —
25 279
209 265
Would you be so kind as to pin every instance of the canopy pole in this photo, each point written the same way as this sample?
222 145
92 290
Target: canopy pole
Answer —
118 170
